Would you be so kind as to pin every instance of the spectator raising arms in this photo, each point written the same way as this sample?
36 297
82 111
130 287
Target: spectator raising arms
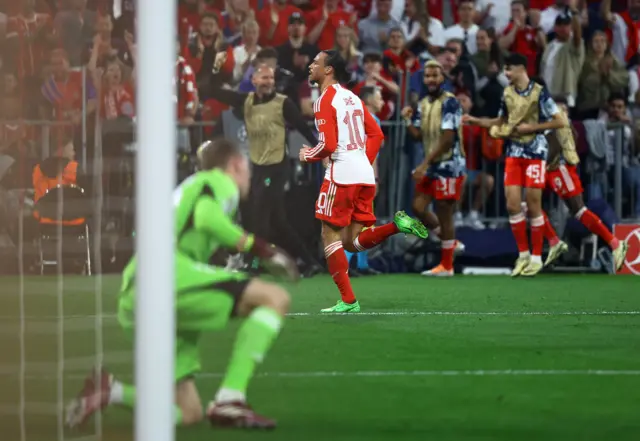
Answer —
602 74
235 13
104 46
563 58
623 29
374 31
202 49
523 37
274 22
117 97
424 34
296 54
246 52
325 21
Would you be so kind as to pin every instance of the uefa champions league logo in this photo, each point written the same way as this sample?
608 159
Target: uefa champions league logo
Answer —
242 134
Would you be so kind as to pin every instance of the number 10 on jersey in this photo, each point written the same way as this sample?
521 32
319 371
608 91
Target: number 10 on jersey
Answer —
355 123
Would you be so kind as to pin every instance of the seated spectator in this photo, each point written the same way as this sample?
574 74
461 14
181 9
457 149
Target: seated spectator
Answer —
374 30
523 37
296 54
563 58
465 30
617 113
374 76
75 27
425 43
478 182
59 169
346 45
231 19
274 22
201 51
602 74
325 21
246 51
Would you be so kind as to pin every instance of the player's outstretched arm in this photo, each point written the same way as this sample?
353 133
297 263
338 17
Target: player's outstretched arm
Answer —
375 137
482 122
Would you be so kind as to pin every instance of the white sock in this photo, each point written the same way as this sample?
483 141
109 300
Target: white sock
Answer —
524 254
536 259
227 395
117 392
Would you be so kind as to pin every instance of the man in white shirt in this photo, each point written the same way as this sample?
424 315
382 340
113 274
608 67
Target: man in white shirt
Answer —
466 29
493 14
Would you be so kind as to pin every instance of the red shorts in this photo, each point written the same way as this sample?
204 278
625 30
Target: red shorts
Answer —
441 188
521 172
339 205
565 181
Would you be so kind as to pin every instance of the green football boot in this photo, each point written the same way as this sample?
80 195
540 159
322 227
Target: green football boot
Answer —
342 307
408 225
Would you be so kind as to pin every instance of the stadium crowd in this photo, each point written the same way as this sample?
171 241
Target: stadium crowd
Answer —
583 50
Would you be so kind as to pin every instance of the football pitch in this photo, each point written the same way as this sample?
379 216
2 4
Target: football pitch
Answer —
470 358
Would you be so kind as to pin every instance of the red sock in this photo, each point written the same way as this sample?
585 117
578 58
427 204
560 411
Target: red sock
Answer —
447 254
519 229
549 232
373 236
537 235
595 225
339 270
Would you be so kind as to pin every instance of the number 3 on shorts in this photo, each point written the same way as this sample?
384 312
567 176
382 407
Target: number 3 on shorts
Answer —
535 172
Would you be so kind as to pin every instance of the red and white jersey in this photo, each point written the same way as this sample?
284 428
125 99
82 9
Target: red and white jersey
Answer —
348 135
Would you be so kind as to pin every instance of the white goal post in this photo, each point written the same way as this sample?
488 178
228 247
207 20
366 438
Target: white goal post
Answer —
155 181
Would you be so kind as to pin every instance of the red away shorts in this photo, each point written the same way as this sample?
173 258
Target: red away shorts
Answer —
521 172
441 188
565 181
340 205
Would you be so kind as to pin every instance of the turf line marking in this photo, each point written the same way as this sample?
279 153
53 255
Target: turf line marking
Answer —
378 374
387 313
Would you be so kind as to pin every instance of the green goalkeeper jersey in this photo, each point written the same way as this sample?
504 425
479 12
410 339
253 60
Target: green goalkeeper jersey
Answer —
205 204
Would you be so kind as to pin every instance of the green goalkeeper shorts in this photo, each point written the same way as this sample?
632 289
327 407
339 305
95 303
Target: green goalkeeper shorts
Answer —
206 297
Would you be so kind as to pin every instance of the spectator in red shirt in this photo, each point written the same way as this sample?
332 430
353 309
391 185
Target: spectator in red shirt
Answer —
526 39
188 18
398 59
274 22
201 52
117 97
480 183
324 22
374 76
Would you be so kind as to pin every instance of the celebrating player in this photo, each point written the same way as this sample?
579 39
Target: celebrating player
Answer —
441 175
526 112
563 178
206 297
351 138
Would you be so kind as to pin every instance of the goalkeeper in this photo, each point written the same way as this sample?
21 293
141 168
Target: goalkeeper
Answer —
206 297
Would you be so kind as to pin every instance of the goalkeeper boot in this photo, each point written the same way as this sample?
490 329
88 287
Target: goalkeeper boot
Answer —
237 414
408 225
555 252
92 399
343 308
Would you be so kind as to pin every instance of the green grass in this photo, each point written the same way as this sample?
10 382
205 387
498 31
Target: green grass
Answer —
383 377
